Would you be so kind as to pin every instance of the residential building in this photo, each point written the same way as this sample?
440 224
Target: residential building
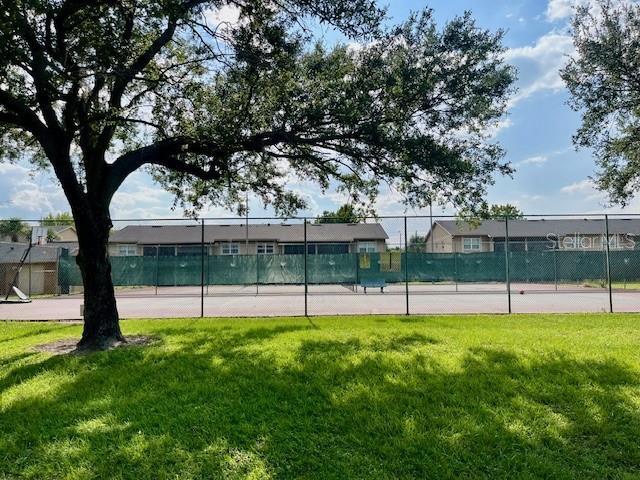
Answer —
252 239
39 274
63 234
448 236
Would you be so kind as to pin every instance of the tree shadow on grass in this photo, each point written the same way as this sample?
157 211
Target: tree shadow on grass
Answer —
30 333
265 402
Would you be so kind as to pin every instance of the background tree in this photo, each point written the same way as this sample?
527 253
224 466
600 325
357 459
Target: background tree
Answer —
98 89
603 78
500 211
62 219
417 243
345 214
485 211
14 229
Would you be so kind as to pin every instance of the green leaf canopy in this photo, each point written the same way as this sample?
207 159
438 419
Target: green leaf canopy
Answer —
99 89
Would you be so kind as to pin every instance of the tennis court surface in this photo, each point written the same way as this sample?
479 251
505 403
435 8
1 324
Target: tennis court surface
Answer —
289 300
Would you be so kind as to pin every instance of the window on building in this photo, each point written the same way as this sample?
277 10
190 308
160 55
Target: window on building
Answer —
471 244
265 249
127 250
149 251
367 247
167 251
294 249
298 249
230 249
332 248
189 250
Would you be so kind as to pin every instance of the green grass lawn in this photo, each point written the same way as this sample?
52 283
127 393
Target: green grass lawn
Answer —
616 285
554 396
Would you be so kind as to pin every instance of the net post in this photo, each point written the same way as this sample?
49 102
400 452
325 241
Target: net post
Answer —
202 268
507 260
306 281
406 265
608 260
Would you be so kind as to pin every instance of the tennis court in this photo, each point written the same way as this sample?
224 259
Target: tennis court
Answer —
238 268
289 300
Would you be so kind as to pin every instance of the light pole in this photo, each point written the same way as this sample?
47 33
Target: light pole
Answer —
246 204
431 224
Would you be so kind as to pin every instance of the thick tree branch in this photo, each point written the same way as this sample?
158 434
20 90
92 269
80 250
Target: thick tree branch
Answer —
168 153
40 76
124 78
28 118
164 153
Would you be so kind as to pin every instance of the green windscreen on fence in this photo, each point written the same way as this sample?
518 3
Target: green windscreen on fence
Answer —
393 267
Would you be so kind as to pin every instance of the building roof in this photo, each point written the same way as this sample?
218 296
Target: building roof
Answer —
281 233
60 228
12 253
71 246
541 228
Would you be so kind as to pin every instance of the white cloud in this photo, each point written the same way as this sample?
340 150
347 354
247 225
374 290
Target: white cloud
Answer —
338 198
536 160
227 14
11 168
532 198
28 193
546 57
583 186
587 190
562 9
559 9
32 198
498 127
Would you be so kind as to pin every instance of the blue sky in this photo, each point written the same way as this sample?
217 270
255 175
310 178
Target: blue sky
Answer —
551 176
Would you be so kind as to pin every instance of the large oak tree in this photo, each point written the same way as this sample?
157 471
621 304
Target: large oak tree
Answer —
97 89
603 78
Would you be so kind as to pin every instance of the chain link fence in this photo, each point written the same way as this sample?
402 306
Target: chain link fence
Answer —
318 266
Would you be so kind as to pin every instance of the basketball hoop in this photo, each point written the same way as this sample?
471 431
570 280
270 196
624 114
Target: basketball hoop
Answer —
39 236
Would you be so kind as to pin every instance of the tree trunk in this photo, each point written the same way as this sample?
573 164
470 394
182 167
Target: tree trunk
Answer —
101 321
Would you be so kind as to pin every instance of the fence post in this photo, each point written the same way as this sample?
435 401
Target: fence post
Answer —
58 289
507 260
608 260
30 272
306 281
555 266
455 264
202 269
157 275
406 264
357 254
